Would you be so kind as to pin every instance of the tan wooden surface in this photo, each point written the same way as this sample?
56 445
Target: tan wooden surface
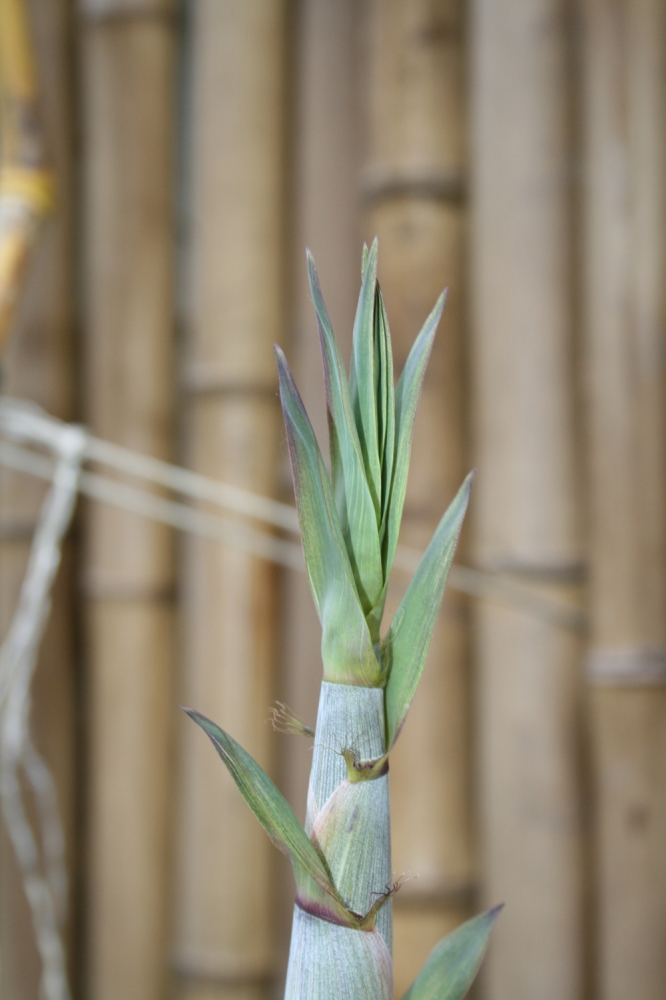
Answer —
127 80
38 364
625 249
324 217
234 312
412 183
524 511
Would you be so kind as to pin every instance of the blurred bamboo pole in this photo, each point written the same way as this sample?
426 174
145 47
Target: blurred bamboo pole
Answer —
37 364
413 189
26 180
128 97
224 943
525 507
624 59
325 216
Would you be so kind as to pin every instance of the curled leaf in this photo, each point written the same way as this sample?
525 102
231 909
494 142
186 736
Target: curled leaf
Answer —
363 377
358 508
347 649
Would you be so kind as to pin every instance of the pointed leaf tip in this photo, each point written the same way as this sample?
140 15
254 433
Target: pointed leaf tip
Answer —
363 378
407 393
409 637
452 965
352 490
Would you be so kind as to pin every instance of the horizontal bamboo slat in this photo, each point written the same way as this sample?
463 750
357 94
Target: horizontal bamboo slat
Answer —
525 503
128 328
624 61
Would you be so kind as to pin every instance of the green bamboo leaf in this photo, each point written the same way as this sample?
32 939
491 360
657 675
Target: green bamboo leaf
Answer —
280 823
386 401
347 648
407 395
409 637
450 968
364 378
385 419
357 507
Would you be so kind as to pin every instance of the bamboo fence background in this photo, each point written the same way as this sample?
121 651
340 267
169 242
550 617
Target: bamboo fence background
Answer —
527 498
514 150
127 573
412 186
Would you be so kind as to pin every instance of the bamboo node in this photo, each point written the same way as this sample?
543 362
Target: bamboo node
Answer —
627 667
380 183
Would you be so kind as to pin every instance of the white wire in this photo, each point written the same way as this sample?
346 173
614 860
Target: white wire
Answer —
177 515
25 422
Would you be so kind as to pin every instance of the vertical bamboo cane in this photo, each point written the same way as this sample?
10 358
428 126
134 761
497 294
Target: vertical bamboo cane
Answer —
625 200
525 499
526 517
413 188
325 218
38 366
224 944
128 123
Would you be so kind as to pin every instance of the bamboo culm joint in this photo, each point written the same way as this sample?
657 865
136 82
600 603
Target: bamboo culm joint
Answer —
341 945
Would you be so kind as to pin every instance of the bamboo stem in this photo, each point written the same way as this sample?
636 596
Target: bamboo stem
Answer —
128 240
412 184
318 948
37 365
526 519
625 254
224 944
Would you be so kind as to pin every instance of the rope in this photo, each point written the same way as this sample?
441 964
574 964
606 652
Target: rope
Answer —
46 890
26 423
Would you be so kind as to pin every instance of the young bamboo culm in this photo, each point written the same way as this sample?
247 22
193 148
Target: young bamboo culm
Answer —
341 943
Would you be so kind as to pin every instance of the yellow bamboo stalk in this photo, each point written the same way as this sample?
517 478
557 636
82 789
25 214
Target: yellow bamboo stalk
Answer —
525 503
413 183
129 114
37 364
26 182
625 255
325 218
224 942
